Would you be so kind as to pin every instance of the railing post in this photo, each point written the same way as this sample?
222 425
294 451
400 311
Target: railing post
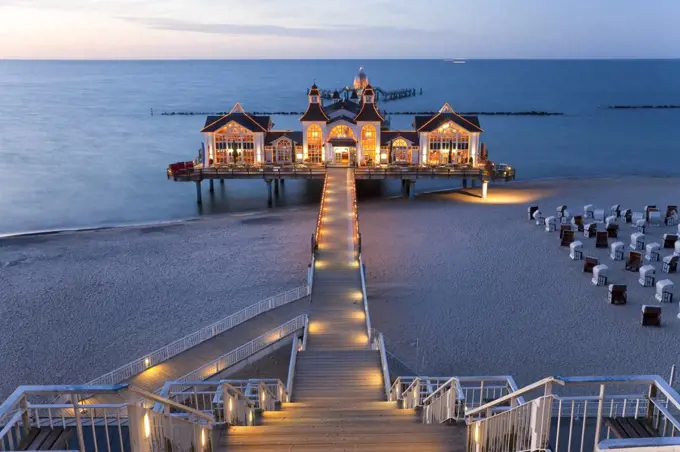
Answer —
25 416
598 421
650 405
79 425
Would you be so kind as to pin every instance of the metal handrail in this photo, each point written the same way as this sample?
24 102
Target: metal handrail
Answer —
191 340
364 295
378 343
258 344
322 204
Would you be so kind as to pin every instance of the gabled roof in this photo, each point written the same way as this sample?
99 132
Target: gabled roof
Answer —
341 118
347 105
239 116
369 112
386 136
446 114
273 135
314 113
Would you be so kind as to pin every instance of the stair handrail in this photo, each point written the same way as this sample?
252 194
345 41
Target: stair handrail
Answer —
408 400
191 340
450 390
378 343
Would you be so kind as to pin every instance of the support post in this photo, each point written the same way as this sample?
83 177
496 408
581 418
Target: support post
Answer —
199 199
474 183
212 186
221 181
464 183
276 187
600 412
269 192
485 188
282 182
412 190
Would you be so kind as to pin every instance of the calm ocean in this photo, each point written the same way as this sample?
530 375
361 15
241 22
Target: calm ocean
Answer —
79 148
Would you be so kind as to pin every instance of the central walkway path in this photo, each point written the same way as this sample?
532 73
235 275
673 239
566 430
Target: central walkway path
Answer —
338 396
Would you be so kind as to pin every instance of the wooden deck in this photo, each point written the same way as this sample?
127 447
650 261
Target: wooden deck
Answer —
265 173
155 377
338 397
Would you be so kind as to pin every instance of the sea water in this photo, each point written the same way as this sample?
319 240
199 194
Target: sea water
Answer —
80 148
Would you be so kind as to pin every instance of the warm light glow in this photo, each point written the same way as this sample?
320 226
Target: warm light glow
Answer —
359 315
477 432
499 194
299 156
383 156
250 417
203 437
316 327
230 403
361 338
264 396
357 295
147 426
147 361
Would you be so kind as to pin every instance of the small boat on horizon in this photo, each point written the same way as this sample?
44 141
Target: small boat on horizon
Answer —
456 61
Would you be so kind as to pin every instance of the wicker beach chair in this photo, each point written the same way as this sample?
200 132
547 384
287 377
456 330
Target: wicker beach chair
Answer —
634 261
589 230
563 228
577 220
618 294
613 230
601 239
567 237
669 241
670 264
589 263
651 315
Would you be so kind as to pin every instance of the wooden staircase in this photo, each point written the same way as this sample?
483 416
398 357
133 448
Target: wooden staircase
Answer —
339 396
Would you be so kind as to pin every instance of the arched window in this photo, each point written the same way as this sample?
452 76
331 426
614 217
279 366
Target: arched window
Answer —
368 138
400 150
314 143
341 132
234 144
448 145
283 151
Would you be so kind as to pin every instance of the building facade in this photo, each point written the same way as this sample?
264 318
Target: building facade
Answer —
345 131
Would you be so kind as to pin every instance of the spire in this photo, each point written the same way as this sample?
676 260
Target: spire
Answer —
314 94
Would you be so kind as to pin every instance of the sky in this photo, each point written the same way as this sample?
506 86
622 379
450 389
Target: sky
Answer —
206 29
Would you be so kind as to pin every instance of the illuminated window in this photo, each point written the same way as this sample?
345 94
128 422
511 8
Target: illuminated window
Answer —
448 145
314 144
341 132
368 142
234 144
400 151
283 153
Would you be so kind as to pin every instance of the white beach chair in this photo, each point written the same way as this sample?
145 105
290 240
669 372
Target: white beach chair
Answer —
647 276
641 226
637 241
576 250
550 224
560 211
676 252
598 215
655 218
664 291
589 230
670 264
540 219
616 249
627 216
637 216
615 210
653 252
610 220
588 211
600 274
530 211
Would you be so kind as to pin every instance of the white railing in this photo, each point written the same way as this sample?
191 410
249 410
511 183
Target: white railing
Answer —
584 421
298 345
378 343
362 271
523 428
245 351
446 403
72 419
175 348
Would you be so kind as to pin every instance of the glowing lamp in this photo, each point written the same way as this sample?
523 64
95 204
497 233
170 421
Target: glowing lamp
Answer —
383 156
147 426
299 156
203 437
147 362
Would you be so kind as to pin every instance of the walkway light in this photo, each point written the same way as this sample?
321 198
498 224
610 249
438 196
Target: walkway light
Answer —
147 362
147 426
203 437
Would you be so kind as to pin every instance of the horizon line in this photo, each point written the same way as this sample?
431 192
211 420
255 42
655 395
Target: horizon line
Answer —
447 59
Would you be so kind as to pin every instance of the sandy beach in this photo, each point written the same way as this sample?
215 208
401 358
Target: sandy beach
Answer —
487 292
483 290
76 305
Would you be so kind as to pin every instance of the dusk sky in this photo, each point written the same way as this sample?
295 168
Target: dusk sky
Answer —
339 29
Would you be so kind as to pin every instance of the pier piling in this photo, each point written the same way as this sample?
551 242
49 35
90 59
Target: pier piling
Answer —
221 181
212 186
485 188
270 199
276 188
464 183
411 190
199 199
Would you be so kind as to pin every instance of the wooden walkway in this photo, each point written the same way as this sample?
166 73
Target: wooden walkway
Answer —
155 377
338 395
